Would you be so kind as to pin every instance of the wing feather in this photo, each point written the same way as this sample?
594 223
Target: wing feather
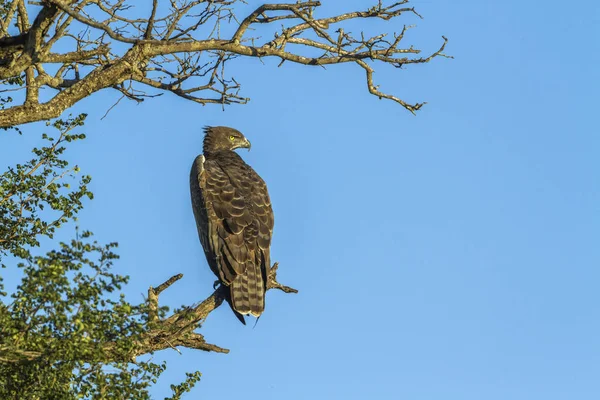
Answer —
235 224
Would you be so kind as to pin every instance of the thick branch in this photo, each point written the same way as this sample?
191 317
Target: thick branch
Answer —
175 55
99 78
177 330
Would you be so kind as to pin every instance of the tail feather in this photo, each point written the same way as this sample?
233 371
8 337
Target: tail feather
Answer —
257 293
247 291
239 294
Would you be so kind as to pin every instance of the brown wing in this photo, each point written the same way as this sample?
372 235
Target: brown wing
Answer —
262 212
235 222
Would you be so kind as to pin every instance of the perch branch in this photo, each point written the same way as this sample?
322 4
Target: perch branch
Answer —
176 330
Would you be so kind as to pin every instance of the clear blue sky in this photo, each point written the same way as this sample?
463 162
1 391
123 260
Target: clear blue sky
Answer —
454 255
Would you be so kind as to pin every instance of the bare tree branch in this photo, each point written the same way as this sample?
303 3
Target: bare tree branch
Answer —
177 330
169 50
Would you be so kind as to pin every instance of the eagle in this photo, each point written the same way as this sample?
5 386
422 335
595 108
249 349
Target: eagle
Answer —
234 218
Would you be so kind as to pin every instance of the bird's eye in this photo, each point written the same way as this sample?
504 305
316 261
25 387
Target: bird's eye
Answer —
232 138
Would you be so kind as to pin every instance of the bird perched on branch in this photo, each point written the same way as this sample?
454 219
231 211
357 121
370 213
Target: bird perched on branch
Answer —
234 219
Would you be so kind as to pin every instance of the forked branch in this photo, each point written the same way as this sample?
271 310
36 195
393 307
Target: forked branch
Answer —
179 49
176 330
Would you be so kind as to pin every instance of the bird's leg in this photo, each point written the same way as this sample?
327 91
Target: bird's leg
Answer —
217 284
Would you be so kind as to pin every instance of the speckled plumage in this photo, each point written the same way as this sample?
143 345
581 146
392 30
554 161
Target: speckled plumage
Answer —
234 219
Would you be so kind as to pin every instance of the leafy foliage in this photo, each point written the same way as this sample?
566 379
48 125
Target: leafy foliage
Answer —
62 329
35 200
66 331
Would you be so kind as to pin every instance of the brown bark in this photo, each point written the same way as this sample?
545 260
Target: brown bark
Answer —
177 330
165 54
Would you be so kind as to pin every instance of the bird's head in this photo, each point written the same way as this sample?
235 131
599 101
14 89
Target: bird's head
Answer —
222 138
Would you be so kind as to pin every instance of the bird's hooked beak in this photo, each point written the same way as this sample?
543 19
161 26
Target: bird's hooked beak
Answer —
241 144
246 144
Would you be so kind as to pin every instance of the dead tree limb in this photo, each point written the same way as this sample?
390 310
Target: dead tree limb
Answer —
93 45
177 330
